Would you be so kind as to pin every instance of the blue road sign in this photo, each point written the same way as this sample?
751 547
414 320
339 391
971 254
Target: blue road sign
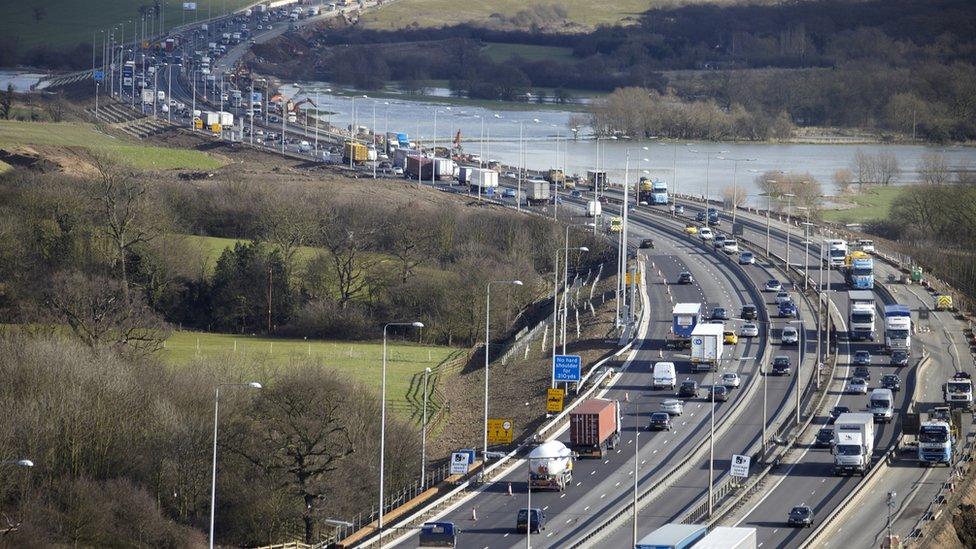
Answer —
567 368
99 76
490 191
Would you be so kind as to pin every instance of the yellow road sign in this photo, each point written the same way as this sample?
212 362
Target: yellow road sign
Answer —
500 431
554 402
943 302
638 277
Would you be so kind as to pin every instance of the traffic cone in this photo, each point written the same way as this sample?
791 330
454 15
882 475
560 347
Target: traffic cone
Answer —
510 489
474 514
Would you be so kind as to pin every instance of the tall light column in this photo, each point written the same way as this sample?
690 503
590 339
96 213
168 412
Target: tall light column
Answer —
383 423
789 225
488 348
213 477
423 437
735 166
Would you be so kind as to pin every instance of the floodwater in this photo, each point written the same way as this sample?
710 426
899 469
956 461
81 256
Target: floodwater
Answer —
21 80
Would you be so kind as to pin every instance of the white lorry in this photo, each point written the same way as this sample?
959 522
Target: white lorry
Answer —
728 537
861 320
483 180
538 191
853 443
836 252
706 347
551 465
882 405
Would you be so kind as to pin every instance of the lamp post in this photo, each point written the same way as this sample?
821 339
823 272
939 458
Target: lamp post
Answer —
555 299
735 166
789 211
806 251
565 310
488 348
707 155
383 422
622 245
433 161
213 477
636 463
423 438
528 504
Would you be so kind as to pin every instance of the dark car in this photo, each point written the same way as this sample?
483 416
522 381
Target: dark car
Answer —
685 278
749 312
688 389
719 393
787 309
700 217
801 515
899 358
439 534
781 366
862 372
719 313
576 194
660 421
646 243
891 381
719 240
836 412
862 358
538 521
825 438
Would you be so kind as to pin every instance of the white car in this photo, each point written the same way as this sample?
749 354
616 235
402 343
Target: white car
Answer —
731 380
858 386
783 297
705 233
730 247
790 336
749 329
673 407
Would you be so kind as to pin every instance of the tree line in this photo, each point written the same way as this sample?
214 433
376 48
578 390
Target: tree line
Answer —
306 264
900 67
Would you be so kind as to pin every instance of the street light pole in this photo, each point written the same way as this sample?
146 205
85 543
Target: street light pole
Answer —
213 477
383 423
555 298
789 224
487 349
423 438
711 449
636 463
735 166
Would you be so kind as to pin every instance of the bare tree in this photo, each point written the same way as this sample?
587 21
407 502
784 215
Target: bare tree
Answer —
298 429
348 235
864 167
98 312
55 109
734 196
122 210
886 168
934 169
7 102
843 179
576 123
288 224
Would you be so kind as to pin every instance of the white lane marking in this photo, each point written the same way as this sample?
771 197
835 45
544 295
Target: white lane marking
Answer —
578 483
506 534
561 496
606 462
603 495
587 508
546 508
615 485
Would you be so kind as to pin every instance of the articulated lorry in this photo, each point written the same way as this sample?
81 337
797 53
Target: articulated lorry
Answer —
551 466
861 319
673 536
482 179
898 328
706 347
644 187
853 443
356 152
659 192
538 192
936 438
594 427
859 271
728 537
684 318
598 179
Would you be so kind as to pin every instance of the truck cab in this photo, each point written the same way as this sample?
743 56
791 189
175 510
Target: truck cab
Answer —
853 443
898 328
882 405
957 392
861 273
684 318
836 252
935 441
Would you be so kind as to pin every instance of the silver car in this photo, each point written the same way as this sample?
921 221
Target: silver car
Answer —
790 336
749 329
673 407
731 380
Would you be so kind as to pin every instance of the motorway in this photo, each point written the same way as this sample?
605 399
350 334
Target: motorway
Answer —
600 488
805 477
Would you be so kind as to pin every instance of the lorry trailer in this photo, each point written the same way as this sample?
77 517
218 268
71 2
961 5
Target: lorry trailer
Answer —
673 536
728 537
594 427
684 318
538 192
706 347
551 466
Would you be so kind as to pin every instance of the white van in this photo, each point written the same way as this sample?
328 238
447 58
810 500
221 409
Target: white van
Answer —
664 376
882 405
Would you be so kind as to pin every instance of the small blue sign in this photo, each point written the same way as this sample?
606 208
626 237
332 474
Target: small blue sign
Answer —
567 368
490 191
99 76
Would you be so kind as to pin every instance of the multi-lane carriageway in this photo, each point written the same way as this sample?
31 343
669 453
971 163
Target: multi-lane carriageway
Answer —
806 475
601 487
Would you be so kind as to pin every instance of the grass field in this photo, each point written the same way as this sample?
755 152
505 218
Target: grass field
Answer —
499 51
436 13
873 203
360 361
13 133
69 22
212 246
